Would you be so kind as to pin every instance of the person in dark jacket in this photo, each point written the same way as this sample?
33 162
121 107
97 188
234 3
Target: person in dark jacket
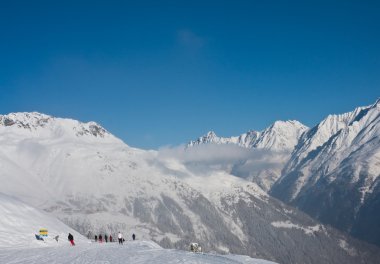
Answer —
110 238
133 236
96 238
100 239
106 238
71 239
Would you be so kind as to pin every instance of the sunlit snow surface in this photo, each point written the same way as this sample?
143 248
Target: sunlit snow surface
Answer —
131 252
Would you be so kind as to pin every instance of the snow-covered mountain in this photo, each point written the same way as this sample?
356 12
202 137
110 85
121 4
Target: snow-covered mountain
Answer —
333 173
330 171
95 183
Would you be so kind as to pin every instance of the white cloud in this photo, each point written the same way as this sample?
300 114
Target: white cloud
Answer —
233 159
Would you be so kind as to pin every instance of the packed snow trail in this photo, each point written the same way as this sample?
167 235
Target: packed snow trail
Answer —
137 252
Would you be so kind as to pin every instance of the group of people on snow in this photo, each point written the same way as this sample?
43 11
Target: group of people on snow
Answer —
105 238
120 238
100 238
70 237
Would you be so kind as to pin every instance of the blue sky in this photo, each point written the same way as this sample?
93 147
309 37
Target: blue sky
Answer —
162 73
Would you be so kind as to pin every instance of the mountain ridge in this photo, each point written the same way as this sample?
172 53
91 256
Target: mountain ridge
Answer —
274 137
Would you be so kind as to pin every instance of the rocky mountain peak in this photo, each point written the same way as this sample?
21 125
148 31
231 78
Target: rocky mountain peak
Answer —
34 124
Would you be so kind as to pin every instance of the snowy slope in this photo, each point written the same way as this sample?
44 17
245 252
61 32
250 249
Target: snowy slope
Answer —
95 183
20 222
333 173
143 252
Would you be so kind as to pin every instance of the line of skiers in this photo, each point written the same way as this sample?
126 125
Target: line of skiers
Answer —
70 237
105 238
119 236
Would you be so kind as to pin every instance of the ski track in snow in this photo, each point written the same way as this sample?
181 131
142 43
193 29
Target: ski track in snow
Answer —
137 252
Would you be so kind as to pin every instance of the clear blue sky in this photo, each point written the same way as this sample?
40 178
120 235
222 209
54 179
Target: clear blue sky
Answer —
164 72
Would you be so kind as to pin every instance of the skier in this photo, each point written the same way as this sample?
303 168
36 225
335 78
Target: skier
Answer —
71 239
133 236
110 238
100 239
38 237
106 238
96 238
120 237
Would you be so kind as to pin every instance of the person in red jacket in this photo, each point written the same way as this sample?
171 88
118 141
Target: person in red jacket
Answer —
71 239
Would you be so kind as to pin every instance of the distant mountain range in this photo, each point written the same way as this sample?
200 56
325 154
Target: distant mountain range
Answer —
95 183
330 171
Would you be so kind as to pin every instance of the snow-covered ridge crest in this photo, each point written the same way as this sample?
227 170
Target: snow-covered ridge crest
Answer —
331 125
280 136
329 129
34 124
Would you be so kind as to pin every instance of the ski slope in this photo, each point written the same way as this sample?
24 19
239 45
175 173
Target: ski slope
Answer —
137 252
19 223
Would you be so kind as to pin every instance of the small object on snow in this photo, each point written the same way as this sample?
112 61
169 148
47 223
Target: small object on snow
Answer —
195 247
56 238
43 232
38 237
